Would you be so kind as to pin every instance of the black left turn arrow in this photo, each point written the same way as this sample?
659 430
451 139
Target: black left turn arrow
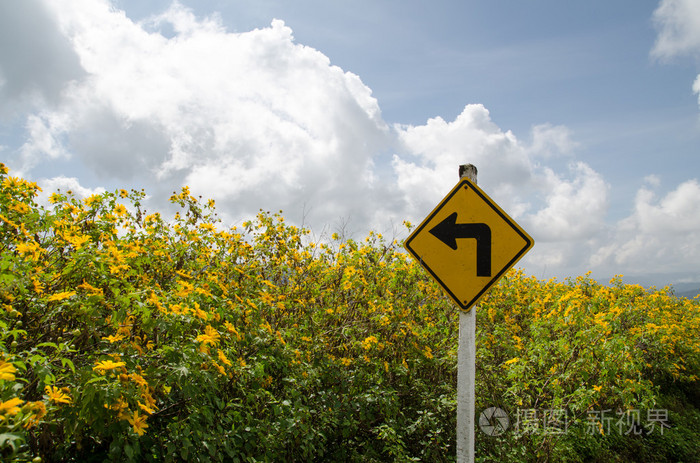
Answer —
448 231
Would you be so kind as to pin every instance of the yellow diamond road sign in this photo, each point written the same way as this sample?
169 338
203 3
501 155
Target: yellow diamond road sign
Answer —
467 243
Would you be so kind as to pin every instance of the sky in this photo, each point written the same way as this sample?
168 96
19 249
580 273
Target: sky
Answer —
583 118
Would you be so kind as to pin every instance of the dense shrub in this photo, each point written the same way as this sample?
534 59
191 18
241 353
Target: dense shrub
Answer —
128 337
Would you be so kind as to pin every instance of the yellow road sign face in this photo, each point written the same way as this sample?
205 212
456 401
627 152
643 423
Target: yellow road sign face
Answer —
467 243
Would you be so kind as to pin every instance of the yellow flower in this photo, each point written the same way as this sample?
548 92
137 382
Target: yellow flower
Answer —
138 423
513 360
38 286
224 359
105 365
267 298
38 411
369 341
7 371
20 207
207 226
11 407
138 379
77 241
199 312
32 249
210 336
114 338
57 395
120 210
219 368
146 408
118 406
61 296
91 200
232 329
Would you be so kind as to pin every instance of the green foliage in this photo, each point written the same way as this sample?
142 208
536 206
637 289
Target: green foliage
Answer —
126 337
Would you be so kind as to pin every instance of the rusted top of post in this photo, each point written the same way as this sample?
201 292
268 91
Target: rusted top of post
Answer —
468 171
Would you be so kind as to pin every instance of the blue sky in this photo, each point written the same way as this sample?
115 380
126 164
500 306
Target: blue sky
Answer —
582 117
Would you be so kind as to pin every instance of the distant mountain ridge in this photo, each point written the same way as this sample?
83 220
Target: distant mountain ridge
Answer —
689 294
689 290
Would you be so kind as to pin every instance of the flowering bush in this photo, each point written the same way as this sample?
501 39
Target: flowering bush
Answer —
126 337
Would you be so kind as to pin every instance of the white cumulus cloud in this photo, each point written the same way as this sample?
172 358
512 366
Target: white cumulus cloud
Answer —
252 119
678 25
662 235
256 120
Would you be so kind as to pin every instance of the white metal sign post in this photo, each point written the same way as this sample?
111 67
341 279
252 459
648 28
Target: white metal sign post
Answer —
466 369
466 379
467 243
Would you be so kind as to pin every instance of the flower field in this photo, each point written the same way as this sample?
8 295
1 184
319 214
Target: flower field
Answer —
128 337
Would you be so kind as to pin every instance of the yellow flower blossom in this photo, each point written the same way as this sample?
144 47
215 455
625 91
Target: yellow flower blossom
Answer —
138 379
219 368
224 359
120 210
61 296
210 336
199 313
114 338
232 329
10 407
29 249
138 423
106 365
267 298
90 289
57 395
146 408
119 406
20 208
77 241
7 371
91 200
37 411
369 342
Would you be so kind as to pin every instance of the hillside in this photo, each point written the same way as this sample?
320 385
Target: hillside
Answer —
126 337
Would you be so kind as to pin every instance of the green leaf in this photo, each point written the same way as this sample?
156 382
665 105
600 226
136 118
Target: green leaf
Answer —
97 379
69 362
47 344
